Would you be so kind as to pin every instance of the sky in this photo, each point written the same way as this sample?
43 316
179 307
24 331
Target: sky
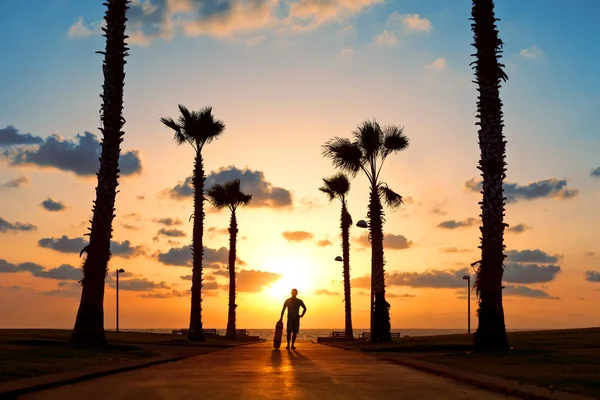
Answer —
285 76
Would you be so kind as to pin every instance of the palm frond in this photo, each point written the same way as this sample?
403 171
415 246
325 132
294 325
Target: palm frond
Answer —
338 185
217 196
209 127
178 136
369 138
344 155
328 192
394 140
391 198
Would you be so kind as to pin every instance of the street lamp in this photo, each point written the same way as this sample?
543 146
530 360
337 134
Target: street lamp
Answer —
338 258
363 224
468 278
119 271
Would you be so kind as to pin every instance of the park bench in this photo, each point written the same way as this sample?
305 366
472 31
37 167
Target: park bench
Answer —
335 334
366 335
210 332
395 334
241 332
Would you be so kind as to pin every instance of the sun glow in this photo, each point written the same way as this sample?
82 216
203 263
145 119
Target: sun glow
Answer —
294 274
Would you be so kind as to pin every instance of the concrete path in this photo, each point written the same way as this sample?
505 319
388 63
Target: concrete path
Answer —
258 372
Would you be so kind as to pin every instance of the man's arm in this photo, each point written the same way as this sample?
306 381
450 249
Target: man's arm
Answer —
303 309
285 304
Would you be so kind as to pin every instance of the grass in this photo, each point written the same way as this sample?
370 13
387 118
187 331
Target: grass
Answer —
32 352
564 360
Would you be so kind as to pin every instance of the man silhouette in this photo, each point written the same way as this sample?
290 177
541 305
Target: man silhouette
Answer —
293 305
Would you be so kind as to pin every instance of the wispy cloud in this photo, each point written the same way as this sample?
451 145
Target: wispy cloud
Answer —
386 38
531 53
439 64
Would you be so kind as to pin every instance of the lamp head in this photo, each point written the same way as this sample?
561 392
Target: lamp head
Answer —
362 224
120 271
467 277
338 258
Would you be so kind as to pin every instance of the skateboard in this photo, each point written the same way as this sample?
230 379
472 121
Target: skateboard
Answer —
278 334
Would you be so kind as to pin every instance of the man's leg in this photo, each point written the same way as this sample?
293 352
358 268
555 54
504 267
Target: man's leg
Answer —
289 333
294 339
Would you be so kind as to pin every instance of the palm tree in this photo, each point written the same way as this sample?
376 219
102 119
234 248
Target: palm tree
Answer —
230 195
368 151
89 323
337 187
196 128
491 333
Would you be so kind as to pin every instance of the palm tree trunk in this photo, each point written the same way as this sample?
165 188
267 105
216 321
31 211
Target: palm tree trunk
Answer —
233 230
89 324
491 333
195 332
346 222
381 325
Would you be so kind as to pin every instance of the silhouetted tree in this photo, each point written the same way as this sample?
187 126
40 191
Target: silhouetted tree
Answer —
89 324
491 333
371 146
196 128
337 187
230 195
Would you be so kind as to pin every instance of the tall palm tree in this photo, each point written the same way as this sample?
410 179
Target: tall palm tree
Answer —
230 195
491 333
89 324
368 151
337 187
196 128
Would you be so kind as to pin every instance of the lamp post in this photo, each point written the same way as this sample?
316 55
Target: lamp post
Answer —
363 224
119 271
468 278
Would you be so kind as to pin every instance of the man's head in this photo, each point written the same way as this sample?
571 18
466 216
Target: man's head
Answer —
294 292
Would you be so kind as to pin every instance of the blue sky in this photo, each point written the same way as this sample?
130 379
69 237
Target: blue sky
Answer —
286 75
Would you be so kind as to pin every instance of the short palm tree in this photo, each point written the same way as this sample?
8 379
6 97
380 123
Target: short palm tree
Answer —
491 333
337 187
196 128
89 323
230 195
368 151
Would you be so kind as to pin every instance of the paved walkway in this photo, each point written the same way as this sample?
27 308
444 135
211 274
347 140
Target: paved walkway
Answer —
258 372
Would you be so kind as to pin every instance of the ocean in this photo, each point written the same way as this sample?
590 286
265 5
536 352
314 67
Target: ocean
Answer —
309 335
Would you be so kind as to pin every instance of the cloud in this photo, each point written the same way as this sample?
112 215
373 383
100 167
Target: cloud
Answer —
130 227
66 289
165 295
438 211
10 136
163 19
78 29
595 172
6 226
592 276
168 221
253 281
139 285
589 254
171 232
531 53
51 205
214 231
64 272
390 241
410 22
15 183
531 256
182 257
324 243
519 228
453 224
429 279
264 194
454 250
403 295
439 64
386 38
530 273
297 236
79 155
347 52
524 291
64 244
325 292
552 188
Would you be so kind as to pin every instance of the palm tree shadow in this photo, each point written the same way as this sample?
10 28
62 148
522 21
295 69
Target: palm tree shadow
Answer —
276 358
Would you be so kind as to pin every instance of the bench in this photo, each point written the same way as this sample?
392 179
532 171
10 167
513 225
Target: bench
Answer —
335 334
366 335
241 332
184 332
395 334
210 332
